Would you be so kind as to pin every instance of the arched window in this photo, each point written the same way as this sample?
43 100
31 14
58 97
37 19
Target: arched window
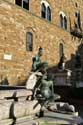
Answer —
48 13
29 41
78 18
43 10
65 22
61 20
61 50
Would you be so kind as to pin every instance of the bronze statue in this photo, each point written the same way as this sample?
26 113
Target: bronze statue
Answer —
61 64
37 64
45 88
42 85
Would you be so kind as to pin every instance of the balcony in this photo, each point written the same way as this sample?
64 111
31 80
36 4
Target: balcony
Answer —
77 33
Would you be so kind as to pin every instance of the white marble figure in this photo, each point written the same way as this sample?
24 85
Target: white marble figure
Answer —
31 82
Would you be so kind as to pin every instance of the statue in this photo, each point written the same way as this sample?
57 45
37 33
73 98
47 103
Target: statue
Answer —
78 70
77 61
45 89
32 80
41 85
37 65
61 64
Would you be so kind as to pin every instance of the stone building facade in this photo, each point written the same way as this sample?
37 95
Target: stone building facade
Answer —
25 25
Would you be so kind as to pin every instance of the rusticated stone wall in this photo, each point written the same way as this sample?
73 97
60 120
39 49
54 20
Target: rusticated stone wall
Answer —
15 22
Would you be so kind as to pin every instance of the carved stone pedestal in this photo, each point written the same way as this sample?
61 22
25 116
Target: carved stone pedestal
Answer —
63 77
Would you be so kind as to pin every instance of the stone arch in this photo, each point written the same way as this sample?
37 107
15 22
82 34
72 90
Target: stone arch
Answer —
62 13
45 2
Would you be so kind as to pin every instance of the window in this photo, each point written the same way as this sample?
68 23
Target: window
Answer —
49 13
18 2
61 50
26 4
29 41
78 19
43 11
23 3
63 21
76 4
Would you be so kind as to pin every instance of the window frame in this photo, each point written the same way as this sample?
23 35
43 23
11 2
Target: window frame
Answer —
78 19
18 3
29 41
25 2
43 11
63 20
61 50
47 14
